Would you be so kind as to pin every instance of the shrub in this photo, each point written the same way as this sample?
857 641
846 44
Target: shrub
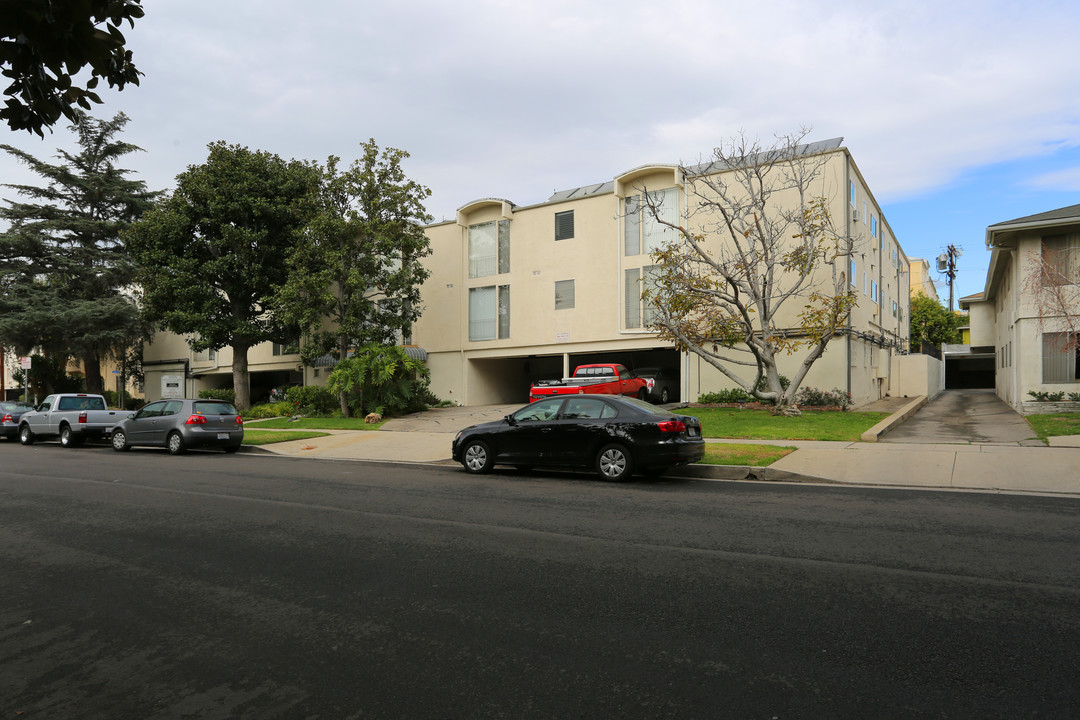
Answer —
226 394
1075 397
313 400
812 397
382 379
763 384
1044 396
269 410
734 395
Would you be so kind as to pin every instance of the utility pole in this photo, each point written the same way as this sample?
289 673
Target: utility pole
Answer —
946 263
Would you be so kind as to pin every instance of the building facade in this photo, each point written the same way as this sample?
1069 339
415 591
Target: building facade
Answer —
519 294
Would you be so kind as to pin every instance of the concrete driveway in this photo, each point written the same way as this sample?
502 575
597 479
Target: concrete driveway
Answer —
965 416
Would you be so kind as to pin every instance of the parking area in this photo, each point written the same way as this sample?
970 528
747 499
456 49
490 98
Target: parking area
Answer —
965 416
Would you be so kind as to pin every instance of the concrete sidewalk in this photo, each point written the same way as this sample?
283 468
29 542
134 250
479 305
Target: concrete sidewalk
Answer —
997 467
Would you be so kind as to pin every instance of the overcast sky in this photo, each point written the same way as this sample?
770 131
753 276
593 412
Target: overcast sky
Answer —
959 114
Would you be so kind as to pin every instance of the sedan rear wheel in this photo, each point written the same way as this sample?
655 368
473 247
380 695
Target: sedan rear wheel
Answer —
176 443
26 435
476 457
119 441
613 463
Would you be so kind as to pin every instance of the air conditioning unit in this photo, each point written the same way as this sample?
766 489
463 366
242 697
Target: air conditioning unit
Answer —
854 216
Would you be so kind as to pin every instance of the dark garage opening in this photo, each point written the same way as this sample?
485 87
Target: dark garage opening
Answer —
970 372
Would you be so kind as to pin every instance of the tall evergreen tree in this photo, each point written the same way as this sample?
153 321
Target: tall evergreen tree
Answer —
212 254
355 277
65 274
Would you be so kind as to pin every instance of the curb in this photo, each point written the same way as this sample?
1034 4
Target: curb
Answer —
741 472
874 434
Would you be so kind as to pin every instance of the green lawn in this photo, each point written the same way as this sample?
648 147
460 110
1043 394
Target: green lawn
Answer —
761 425
313 424
266 437
1052 425
739 454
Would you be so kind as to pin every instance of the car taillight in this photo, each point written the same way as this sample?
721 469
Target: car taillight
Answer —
675 426
195 420
239 420
82 416
7 418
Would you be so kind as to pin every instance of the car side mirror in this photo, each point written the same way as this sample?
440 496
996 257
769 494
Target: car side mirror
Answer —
510 420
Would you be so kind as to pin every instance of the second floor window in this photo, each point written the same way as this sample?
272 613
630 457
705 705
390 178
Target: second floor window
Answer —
564 225
642 233
489 313
489 248
1061 259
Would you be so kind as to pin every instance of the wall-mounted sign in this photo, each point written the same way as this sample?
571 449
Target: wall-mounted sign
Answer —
172 386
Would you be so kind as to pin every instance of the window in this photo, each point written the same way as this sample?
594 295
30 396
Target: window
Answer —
1059 358
489 248
854 274
851 193
206 356
1061 259
564 294
873 225
290 348
489 313
865 284
873 291
894 306
637 311
641 232
564 225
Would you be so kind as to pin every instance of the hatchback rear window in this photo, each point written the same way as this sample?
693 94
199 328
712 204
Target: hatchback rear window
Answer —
214 407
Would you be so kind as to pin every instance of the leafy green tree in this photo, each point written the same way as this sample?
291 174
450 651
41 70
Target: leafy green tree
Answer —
382 379
213 253
45 43
932 323
355 277
65 272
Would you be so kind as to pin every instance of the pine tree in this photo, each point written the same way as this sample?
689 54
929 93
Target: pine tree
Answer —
63 269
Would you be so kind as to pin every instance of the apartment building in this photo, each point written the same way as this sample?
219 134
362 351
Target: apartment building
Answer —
520 293
920 280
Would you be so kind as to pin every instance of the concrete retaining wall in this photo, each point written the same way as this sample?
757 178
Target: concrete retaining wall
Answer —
1048 408
915 375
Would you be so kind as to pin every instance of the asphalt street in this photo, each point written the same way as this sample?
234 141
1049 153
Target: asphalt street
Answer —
148 586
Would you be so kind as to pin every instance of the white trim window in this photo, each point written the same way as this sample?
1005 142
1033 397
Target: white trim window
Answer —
642 233
639 313
489 248
489 313
564 294
1059 359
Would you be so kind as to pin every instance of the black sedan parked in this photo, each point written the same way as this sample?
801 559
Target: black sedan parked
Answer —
10 412
611 434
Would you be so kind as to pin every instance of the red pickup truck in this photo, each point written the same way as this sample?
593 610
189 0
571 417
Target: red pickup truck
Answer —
604 379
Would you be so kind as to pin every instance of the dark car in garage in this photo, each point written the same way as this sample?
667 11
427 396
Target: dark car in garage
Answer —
613 435
662 383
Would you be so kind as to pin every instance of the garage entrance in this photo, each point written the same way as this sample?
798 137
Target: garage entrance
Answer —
507 380
970 371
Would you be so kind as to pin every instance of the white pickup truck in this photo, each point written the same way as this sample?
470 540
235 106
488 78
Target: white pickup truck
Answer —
73 417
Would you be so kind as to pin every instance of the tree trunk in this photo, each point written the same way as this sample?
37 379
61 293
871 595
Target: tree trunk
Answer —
241 384
92 369
343 350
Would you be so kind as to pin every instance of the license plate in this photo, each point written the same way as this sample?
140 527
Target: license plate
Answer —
692 432
223 436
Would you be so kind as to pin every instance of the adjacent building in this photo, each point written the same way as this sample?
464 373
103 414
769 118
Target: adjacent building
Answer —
1032 344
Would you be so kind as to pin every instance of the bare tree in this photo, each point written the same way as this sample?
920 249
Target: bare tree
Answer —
755 269
1052 283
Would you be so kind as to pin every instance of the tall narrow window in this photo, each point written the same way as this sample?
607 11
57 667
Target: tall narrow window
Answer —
489 313
644 233
632 298
650 273
489 248
1061 259
564 225
564 294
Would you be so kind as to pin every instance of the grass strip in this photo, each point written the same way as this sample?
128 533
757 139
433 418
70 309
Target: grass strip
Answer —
762 425
313 424
1046 426
743 454
267 437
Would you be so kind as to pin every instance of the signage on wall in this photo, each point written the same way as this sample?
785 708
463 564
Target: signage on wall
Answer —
172 386
562 337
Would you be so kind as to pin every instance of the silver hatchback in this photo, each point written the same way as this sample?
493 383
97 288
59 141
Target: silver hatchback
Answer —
182 424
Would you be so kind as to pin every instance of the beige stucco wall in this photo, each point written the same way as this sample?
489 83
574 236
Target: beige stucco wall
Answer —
915 375
920 278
